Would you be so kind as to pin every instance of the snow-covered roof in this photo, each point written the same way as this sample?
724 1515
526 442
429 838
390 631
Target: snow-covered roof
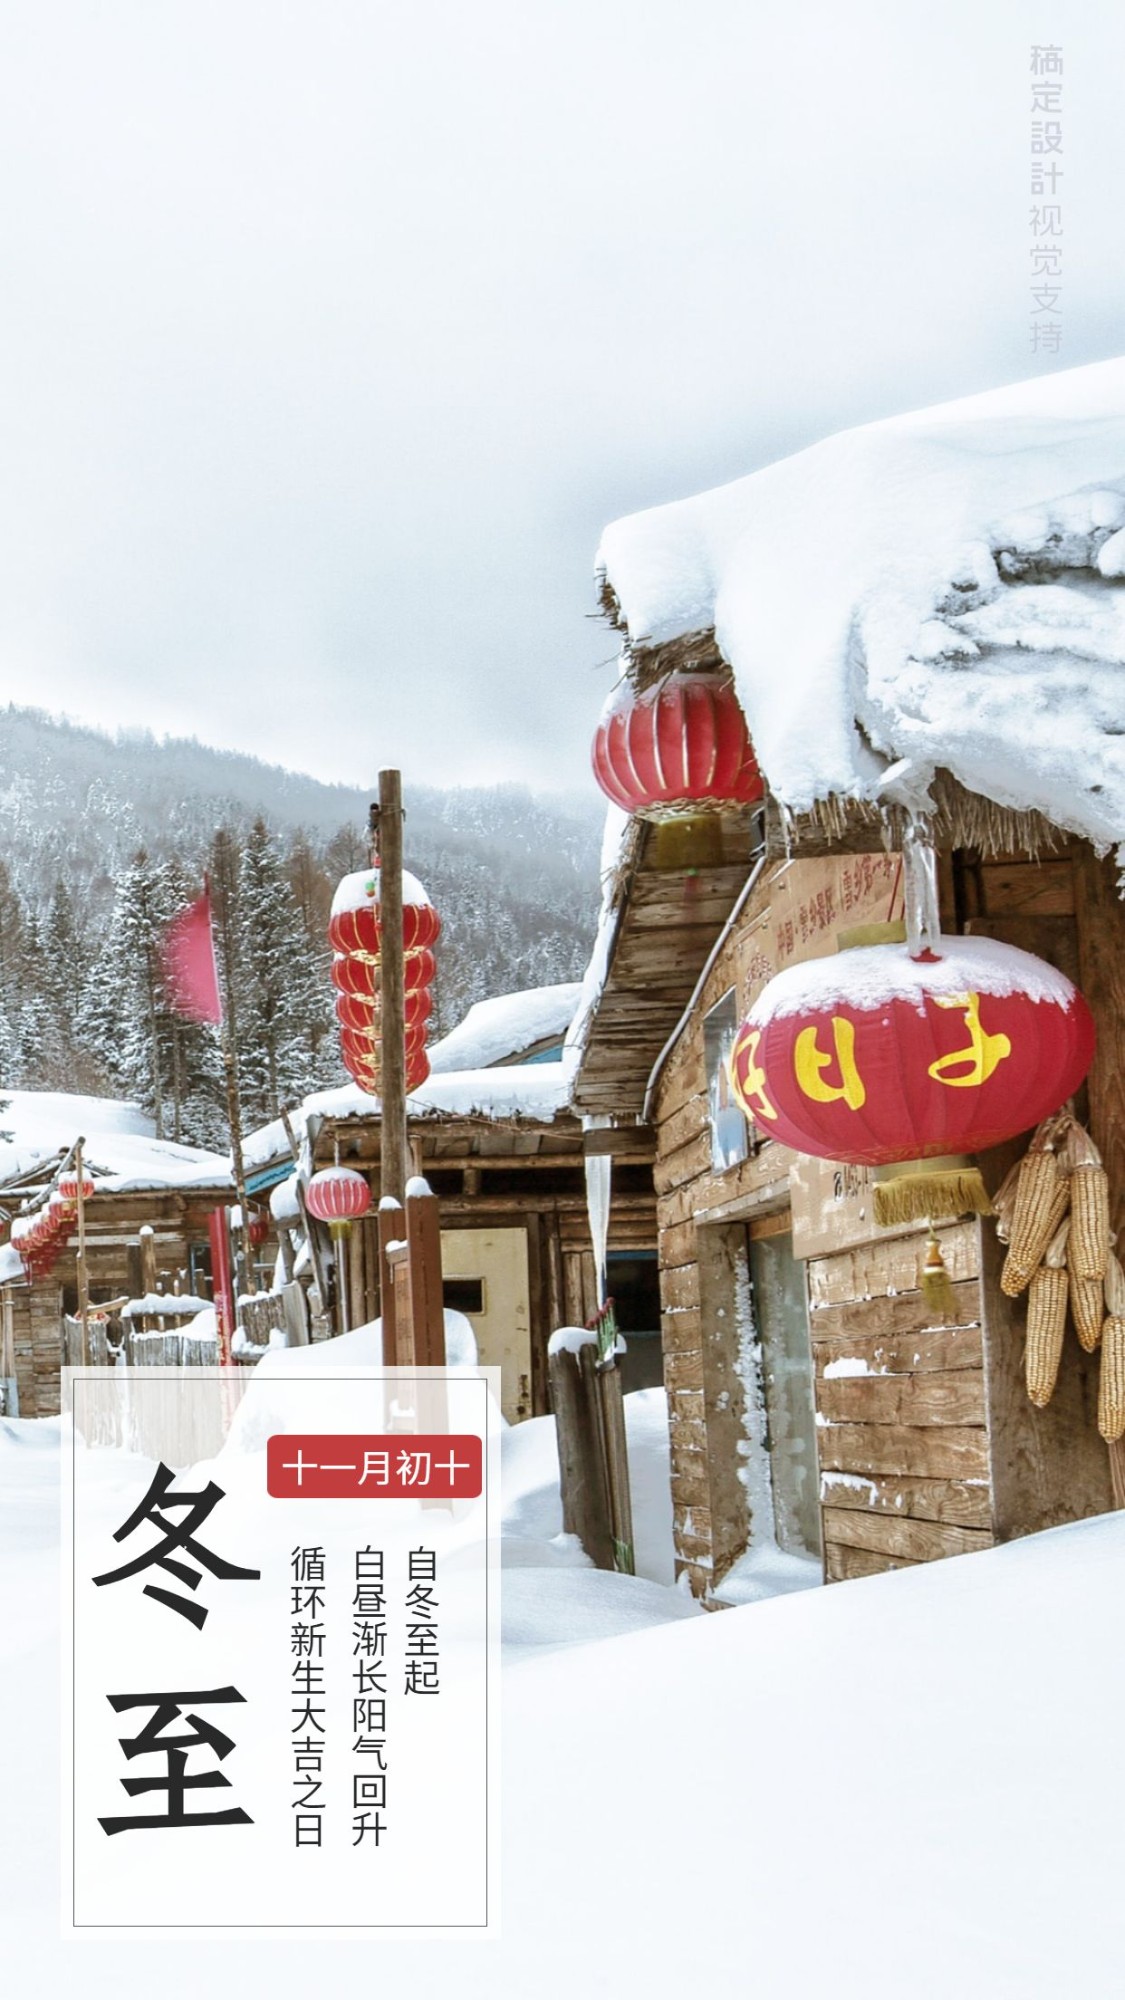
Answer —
121 1151
535 1091
939 590
506 1026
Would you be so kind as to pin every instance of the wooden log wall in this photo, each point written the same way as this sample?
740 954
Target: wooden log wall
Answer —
927 1446
793 913
37 1340
114 1222
902 1435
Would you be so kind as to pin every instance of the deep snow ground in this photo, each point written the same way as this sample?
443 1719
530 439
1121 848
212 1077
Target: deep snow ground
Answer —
907 1786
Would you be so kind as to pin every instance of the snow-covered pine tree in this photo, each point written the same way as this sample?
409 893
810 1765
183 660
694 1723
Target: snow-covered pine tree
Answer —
282 1013
13 971
191 1057
126 1000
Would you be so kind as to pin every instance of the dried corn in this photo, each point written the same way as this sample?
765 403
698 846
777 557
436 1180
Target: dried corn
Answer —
1089 1211
1111 1377
1003 1201
1051 1191
1087 1309
1046 1321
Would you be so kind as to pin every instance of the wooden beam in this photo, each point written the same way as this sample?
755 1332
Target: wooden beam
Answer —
1101 956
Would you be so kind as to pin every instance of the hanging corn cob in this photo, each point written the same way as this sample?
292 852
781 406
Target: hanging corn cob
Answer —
1004 1200
1042 1194
1089 1205
1087 1304
1046 1320
1111 1379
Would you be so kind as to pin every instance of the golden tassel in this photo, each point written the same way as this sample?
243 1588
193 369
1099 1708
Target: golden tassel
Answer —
923 1193
937 1290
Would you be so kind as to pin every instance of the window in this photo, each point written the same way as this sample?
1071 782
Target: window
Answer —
463 1295
730 1133
781 1322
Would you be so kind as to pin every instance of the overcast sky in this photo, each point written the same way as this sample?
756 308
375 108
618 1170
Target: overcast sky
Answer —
334 330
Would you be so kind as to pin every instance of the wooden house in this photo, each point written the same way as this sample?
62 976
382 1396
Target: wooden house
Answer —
146 1227
502 1148
825 1420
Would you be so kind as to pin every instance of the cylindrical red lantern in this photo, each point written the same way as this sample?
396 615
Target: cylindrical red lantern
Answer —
360 1047
872 1056
354 924
680 746
363 1013
338 1196
355 933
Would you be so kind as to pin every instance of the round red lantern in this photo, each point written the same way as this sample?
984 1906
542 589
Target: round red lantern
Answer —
363 1013
679 746
338 1196
360 1047
68 1186
354 924
873 1056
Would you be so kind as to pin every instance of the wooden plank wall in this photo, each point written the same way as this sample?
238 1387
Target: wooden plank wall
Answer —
37 1340
792 914
930 1452
900 1400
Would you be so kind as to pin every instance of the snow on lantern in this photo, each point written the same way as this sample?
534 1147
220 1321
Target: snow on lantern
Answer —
678 747
354 926
875 1057
355 933
338 1196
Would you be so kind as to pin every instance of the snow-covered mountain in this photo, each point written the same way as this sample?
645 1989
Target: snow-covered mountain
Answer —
101 837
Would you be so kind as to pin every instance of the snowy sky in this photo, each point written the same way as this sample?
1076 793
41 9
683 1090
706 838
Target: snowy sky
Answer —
333 333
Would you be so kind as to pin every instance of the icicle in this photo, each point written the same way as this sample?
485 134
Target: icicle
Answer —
599 1168
919 892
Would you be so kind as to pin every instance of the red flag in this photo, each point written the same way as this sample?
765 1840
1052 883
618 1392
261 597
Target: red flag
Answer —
191 975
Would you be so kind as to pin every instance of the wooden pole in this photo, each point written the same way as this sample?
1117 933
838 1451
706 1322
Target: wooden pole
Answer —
392 1090
585 1501
83 1268
224 876
423 1237
392 1229
1101 957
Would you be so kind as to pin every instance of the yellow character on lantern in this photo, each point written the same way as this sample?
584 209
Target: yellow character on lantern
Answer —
983 1053
751 1089
809 1061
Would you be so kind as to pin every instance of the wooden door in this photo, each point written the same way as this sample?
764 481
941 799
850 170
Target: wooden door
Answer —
499 1312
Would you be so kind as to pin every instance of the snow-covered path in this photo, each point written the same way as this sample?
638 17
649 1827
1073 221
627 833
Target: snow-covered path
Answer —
907 1786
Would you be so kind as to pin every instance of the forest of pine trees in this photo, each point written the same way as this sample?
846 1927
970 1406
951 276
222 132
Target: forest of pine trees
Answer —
82 1005
103 839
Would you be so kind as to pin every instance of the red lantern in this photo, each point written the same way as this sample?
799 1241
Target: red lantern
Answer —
338 1196
362 1011
357 1046
872 1056
679 746
359 977
68 1186
258 1229
354 925
355 932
